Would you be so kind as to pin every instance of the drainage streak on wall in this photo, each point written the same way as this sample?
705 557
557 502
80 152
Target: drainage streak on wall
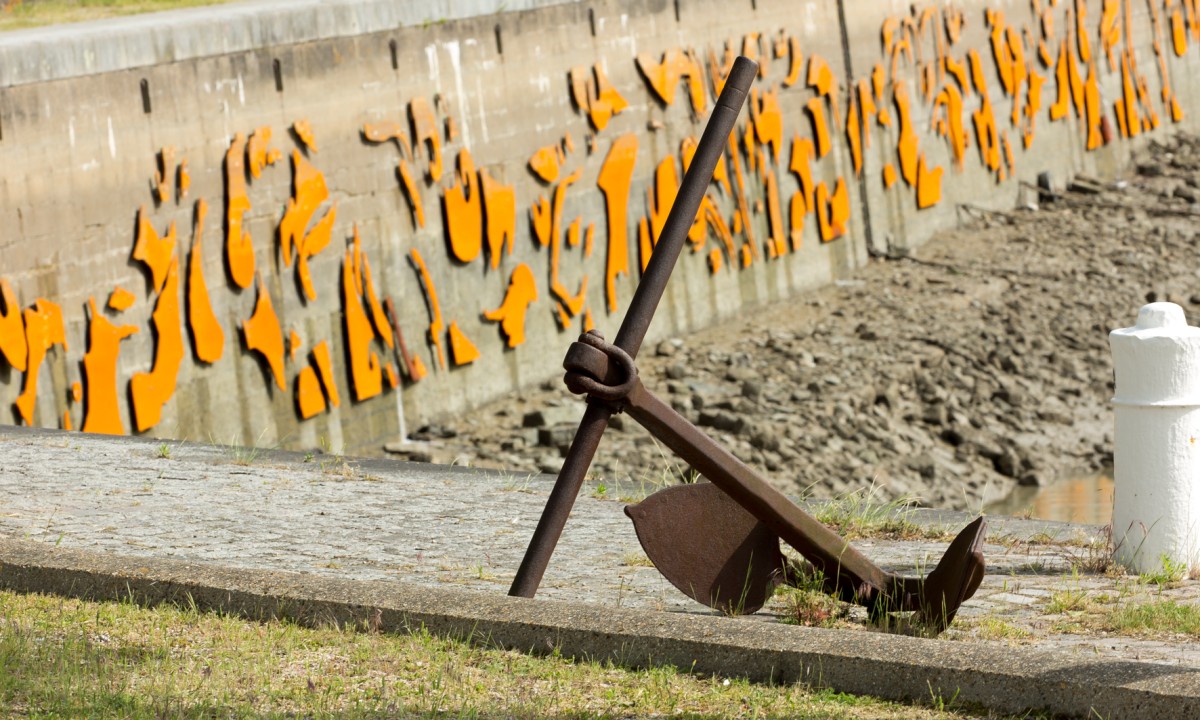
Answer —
300 239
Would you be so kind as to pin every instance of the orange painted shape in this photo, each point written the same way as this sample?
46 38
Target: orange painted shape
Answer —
1110 32
425 134
854 135
43 330
714 261
1179 38
154 251
208 339
545 164
664 76
833 213
950 99
316 240
411 192
614 180
866 109
388 371
76 392
258 151
889 175
589 237
462 350
1176 110
464 211
239 252
294 343
366 375
120 299
185 179
500 215
262 334
816 113
162 176
1082 31
309 400
541 218
573 304
929 185
382 327
320 356
662 197
595 95
1062 105
308 192
382 132
1092 111
152 390
522 291
574 232
304 131
588 323
958 71
801 165
795 63
796 213
12 329
777 240
435 309
906 146
100 372
1128 94
768 120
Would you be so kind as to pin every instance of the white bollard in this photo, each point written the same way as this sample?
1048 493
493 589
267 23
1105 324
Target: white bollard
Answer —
1156 501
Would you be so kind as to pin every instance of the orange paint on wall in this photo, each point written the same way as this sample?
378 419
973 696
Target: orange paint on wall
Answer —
595 95
152 390
435 309
1092 110
1110 32
310 402
464 211
906 146
801 165
462 350
43 330
366 373
570 305
259 152
854 135
767 117
308 192
816 113
425 134
833 213
777 240
294 344
522 291
155 252
950 99
1062 105
500 215
382 327
208 339
664 76
320 356
263 335
540 218
239 251
101 414
546 162
795 62
120 299
13 347
929 185
304 131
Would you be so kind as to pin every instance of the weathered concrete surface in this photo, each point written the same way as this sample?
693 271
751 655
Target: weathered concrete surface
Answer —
878 664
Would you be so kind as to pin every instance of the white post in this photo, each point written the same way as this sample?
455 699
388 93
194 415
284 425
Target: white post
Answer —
1156 502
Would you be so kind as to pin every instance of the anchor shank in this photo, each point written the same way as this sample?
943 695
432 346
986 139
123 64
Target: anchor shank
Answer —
637 321
856 576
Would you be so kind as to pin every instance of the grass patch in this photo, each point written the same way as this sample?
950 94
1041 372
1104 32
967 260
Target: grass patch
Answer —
17 15
997 629
861 514
1155 618
69 658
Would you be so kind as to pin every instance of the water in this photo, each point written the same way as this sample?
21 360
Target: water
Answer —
1081 500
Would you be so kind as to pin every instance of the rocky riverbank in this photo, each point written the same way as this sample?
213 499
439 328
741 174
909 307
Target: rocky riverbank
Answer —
949 375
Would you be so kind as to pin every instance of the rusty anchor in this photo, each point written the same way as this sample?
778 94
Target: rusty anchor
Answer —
718 542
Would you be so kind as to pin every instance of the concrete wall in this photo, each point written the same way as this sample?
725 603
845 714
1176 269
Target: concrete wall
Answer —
84 113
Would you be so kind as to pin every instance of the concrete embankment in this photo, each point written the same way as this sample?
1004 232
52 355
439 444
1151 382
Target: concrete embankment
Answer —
241 190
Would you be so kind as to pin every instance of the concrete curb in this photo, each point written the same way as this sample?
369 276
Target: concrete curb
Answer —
888 666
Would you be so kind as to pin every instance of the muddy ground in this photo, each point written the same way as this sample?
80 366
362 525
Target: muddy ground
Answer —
976 363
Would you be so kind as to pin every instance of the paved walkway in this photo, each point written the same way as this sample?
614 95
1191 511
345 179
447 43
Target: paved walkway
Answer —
436 525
